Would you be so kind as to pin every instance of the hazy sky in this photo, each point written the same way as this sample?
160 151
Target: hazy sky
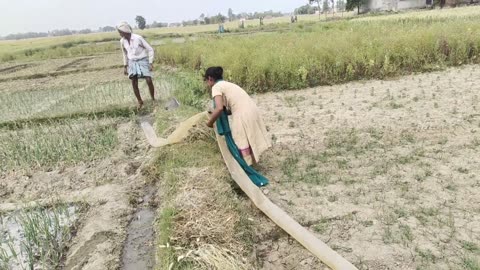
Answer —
43 15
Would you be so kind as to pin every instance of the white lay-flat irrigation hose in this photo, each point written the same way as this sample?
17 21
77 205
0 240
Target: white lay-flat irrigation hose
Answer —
177 136
323 252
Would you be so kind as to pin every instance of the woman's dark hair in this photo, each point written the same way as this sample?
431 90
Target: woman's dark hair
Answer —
215 72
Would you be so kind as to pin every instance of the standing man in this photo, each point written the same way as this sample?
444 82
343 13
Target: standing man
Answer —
138 58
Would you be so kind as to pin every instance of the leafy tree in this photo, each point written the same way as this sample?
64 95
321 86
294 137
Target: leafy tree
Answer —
306 9
25 36
231 16
141 22
352 4
341 5
158 24
60 32
220 18
107 29
326 7
318 4
85 31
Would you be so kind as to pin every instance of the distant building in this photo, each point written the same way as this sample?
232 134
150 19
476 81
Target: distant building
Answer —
394 5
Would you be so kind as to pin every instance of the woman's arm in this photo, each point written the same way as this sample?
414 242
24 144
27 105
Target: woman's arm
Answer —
217 111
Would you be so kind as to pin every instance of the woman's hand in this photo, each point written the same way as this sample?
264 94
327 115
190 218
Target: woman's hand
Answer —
151 67
216 112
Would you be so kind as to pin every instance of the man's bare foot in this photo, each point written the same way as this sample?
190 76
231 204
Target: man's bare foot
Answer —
140 105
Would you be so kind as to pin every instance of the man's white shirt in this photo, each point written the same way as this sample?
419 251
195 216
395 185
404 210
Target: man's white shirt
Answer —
137 49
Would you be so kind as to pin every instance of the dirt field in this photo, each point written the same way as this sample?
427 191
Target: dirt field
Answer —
110 187
385 172
111 184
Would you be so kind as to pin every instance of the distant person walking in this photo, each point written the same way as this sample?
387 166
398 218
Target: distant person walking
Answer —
138 58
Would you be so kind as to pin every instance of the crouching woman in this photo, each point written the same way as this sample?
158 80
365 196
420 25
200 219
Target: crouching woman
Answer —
247 127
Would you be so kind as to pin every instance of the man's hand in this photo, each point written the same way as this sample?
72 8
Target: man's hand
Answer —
209 124
125 70
151 67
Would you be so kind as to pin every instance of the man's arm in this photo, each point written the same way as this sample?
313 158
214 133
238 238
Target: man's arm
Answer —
125 57
151 52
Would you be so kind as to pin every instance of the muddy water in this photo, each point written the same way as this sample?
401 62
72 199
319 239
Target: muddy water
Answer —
138 251
13 239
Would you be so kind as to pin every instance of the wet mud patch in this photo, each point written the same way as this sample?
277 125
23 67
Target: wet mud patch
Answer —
139 249
107 185
37 238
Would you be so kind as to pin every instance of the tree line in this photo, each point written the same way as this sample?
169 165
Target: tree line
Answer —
323 6
141 23
231 16
56 33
